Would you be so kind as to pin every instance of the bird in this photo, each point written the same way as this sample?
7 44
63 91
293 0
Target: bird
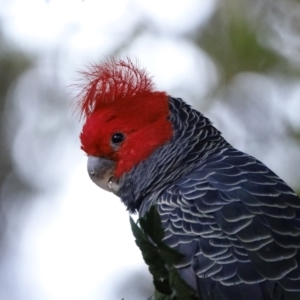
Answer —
233 220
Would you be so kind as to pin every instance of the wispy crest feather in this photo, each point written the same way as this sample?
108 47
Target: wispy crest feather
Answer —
110 81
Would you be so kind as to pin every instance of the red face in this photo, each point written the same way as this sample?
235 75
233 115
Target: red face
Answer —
128 131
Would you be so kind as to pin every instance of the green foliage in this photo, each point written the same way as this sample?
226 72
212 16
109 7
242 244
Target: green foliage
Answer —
233 39
160 259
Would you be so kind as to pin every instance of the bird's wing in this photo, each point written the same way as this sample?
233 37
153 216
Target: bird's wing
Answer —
238 225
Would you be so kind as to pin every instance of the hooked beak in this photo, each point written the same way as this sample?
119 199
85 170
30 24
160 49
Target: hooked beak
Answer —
101 171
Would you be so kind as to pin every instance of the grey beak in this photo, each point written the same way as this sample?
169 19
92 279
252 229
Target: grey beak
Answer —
101 171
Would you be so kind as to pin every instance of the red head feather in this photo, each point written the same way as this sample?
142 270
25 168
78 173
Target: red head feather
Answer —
111 81
119 97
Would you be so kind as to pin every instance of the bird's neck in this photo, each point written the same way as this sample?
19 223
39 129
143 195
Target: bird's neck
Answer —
194 140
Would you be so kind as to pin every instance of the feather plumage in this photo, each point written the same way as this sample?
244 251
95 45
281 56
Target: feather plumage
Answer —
111 81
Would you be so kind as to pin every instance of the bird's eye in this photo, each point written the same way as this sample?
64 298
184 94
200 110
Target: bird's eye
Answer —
117 138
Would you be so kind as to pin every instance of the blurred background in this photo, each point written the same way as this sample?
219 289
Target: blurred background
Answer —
237 61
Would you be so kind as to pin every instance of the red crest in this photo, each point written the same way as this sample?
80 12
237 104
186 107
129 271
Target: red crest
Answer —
111 81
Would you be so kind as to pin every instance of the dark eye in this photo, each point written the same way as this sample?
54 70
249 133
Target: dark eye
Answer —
117 138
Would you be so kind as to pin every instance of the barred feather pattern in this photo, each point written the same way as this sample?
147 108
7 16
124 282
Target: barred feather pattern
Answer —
236 222
193 140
